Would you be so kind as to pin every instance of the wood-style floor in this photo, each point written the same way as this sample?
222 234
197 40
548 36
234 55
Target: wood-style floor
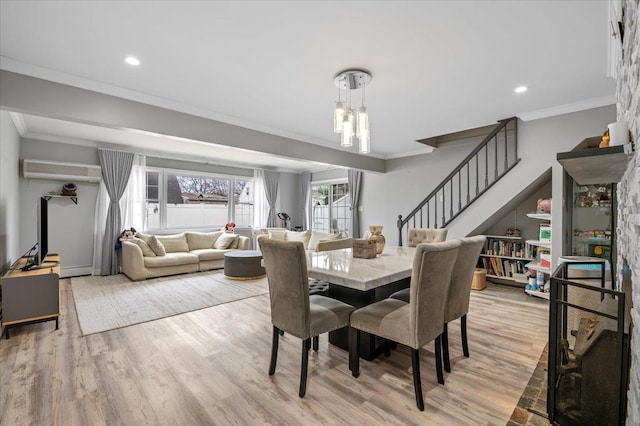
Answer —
210 367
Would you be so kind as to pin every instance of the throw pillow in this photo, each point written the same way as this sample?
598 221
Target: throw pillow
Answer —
276 234
176 243
202 240
225 241
303 237
316 237
153 243
146 250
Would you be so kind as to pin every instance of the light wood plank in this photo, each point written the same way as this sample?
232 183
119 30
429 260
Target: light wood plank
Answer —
210 367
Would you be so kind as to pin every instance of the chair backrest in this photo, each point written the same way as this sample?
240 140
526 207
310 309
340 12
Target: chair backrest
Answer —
286 266
416 236
460 288
430 279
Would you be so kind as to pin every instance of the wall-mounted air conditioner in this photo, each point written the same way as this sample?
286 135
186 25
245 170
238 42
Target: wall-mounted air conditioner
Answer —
70 172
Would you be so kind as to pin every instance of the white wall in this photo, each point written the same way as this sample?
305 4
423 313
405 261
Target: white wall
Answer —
10 248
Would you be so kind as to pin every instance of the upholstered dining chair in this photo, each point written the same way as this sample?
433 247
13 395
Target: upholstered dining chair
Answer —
416 236
418 322
457 305
293 310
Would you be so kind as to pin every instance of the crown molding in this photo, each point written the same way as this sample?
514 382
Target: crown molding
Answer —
18 121
568 108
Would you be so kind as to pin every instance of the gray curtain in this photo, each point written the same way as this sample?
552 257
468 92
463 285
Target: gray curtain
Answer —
354 177
116 168
271 179
305 195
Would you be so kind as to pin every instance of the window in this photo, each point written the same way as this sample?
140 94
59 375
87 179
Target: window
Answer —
330 207
185 200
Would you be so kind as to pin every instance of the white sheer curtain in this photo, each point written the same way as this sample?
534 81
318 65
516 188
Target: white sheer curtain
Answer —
133 200
261 206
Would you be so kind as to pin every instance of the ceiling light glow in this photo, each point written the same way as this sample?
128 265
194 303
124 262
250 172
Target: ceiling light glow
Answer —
131 60
521 89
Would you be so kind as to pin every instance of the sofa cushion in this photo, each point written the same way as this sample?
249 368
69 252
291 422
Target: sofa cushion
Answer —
202 240
235 243
174 243
209 254
225 241
171 259
278 234
146 250
316 237
153 243
303 237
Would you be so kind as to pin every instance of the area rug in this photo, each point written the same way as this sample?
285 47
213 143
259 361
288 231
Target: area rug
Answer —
107 303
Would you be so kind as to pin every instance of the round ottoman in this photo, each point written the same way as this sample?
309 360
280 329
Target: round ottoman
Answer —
243 265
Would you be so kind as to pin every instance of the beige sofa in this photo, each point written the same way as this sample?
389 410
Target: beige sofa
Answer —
148 256
312 240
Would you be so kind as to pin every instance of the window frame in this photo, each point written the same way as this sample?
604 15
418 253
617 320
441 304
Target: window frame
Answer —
330 183
163 174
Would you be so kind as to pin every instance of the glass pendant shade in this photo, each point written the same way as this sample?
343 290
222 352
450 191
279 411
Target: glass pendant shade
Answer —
365 142
363 121
338 117
347 130
354 122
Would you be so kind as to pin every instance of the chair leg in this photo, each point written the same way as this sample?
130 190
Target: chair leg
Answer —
439 360
354 357
463 331
316 343
274 350
417 384
445 348
306 345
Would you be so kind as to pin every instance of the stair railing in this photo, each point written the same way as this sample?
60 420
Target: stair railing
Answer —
494 157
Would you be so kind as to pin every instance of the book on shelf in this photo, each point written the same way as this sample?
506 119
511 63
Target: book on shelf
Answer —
497 247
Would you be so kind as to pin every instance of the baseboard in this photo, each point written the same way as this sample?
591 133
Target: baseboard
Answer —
75 271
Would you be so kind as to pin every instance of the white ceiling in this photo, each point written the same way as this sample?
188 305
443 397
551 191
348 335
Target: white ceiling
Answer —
438 66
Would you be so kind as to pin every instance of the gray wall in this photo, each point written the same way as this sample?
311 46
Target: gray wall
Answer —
70 225
409 180
517 217
289 197
10 246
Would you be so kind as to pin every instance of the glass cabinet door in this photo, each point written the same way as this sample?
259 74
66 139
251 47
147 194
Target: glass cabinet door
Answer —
592 220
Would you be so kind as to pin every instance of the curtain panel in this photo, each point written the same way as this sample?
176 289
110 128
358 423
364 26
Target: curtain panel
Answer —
271 179
116 169
354 178
305 197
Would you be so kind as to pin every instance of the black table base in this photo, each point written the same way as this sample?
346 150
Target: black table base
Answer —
370 346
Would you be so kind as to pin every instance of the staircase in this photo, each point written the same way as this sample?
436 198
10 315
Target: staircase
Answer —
492 159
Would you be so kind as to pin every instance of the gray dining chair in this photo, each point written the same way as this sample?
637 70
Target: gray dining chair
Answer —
457 305
416 236
416 323
293 310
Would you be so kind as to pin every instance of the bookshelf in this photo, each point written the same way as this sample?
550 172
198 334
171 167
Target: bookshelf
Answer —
541 256
505 259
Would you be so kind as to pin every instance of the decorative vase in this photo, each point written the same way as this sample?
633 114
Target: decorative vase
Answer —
376 234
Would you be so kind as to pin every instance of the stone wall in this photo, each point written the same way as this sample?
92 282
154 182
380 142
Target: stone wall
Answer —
628 230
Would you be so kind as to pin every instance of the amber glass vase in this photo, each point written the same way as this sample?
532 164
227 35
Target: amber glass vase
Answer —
376 234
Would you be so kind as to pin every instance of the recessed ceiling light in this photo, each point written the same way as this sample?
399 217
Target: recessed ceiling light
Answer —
131 60
521 89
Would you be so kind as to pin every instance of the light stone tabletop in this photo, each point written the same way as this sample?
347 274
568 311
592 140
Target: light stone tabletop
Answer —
341 268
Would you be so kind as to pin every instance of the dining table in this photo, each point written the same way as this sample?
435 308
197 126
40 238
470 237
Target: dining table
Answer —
360 282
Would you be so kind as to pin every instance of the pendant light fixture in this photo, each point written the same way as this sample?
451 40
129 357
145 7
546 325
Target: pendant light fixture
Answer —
348 121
